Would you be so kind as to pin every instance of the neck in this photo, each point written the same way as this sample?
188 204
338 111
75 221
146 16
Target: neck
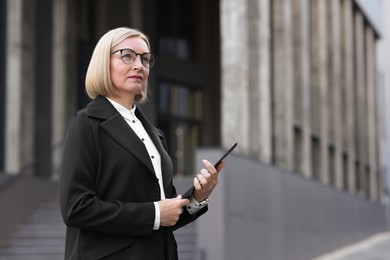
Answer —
124 101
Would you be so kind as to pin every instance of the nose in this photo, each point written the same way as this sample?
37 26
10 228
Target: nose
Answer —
138 63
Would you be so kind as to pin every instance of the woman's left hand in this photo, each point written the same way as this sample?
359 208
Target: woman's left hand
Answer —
206 180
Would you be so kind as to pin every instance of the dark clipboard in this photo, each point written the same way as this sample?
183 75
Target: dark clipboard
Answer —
189 192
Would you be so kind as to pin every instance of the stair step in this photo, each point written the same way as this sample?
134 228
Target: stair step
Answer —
40 237
33 242
32 257
32 250
33 234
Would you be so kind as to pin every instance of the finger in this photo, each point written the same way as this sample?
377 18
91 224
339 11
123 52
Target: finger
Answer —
184 202
197 184
205 174
202 179
211 171
179 196
210 168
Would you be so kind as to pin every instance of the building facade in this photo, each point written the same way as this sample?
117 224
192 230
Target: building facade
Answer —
294 82
384 104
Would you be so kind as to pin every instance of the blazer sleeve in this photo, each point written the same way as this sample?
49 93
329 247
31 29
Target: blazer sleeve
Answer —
80 205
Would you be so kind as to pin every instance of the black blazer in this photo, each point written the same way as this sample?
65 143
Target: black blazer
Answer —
108 187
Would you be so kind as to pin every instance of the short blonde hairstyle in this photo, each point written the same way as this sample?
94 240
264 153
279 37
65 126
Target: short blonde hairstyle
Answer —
98 79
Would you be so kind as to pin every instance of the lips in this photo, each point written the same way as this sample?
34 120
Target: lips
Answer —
136 77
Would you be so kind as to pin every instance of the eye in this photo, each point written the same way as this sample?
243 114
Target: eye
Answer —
128 56
145 58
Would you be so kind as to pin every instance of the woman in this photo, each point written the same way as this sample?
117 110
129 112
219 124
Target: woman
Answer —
116 192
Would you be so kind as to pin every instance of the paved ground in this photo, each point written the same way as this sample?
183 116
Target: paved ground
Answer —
374 248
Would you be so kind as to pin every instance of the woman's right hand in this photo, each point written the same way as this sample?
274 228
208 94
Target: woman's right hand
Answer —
170 210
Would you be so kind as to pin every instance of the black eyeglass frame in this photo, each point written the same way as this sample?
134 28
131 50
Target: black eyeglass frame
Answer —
148 65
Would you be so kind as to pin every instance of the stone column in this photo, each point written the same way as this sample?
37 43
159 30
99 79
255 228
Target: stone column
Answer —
302 83
335 93
360 104
19 132
282 84
347 90
63 91
320 100
259 73
59 83
234 75
371 123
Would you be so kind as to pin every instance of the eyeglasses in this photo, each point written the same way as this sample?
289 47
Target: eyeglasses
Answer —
128 56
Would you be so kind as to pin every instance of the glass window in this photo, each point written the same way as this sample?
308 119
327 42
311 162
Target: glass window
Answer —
180 117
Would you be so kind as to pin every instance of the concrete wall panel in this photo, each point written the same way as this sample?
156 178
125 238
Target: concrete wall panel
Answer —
259 212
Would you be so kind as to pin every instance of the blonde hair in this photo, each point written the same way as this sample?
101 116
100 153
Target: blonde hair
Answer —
98 80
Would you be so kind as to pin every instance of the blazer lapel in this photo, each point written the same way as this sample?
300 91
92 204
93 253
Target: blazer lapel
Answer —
117 128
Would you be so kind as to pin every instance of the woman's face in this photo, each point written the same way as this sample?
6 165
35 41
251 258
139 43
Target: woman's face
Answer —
129 80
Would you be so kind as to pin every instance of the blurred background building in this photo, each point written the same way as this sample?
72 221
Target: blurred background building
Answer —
384 104
299 84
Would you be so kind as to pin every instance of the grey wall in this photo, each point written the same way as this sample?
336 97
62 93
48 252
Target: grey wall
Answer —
3 15
258 212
